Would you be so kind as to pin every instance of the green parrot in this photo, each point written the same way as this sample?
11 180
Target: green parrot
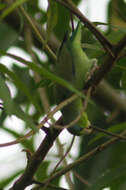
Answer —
74 66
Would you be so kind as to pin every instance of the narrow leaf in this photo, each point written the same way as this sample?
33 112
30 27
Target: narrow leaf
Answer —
52 16
27 144
11 107
4 182
11 8
123 80
20 85
45 73
2 6
108 177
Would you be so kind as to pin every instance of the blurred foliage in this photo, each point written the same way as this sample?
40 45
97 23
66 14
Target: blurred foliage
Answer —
106 169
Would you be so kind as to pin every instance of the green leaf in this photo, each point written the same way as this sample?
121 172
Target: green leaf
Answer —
43 83
4 182
45 73
2 6
108 177
42 172
120 28
63 20
52 15
123 80
7 36
11 8
20 85
11 107
27 143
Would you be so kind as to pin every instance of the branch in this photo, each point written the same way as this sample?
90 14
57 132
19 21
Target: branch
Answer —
108 132
42 185
35 161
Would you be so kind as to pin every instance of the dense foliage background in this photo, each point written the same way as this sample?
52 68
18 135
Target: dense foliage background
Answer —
26 96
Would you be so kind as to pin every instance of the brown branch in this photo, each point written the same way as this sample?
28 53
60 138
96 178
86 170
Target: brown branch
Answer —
42 185
36 160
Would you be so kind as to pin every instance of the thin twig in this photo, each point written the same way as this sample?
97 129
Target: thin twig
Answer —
63 156
71 123
60 161
84 181
48 116
64 161
42 185
108 132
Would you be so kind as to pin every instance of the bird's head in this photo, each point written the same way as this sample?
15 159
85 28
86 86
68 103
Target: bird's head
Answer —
82 127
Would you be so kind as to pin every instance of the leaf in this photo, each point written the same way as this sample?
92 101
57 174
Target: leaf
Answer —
43 83
52 15
6 181
27 143
92 46
7 36
120 28
11 107
42 172
45 73
11 8
2 6
123 80
108 177
20 85
63 20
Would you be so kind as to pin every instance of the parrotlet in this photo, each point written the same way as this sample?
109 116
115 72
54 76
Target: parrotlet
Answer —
74 66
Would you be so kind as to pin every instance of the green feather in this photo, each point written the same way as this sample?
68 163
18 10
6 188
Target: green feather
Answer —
74 66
